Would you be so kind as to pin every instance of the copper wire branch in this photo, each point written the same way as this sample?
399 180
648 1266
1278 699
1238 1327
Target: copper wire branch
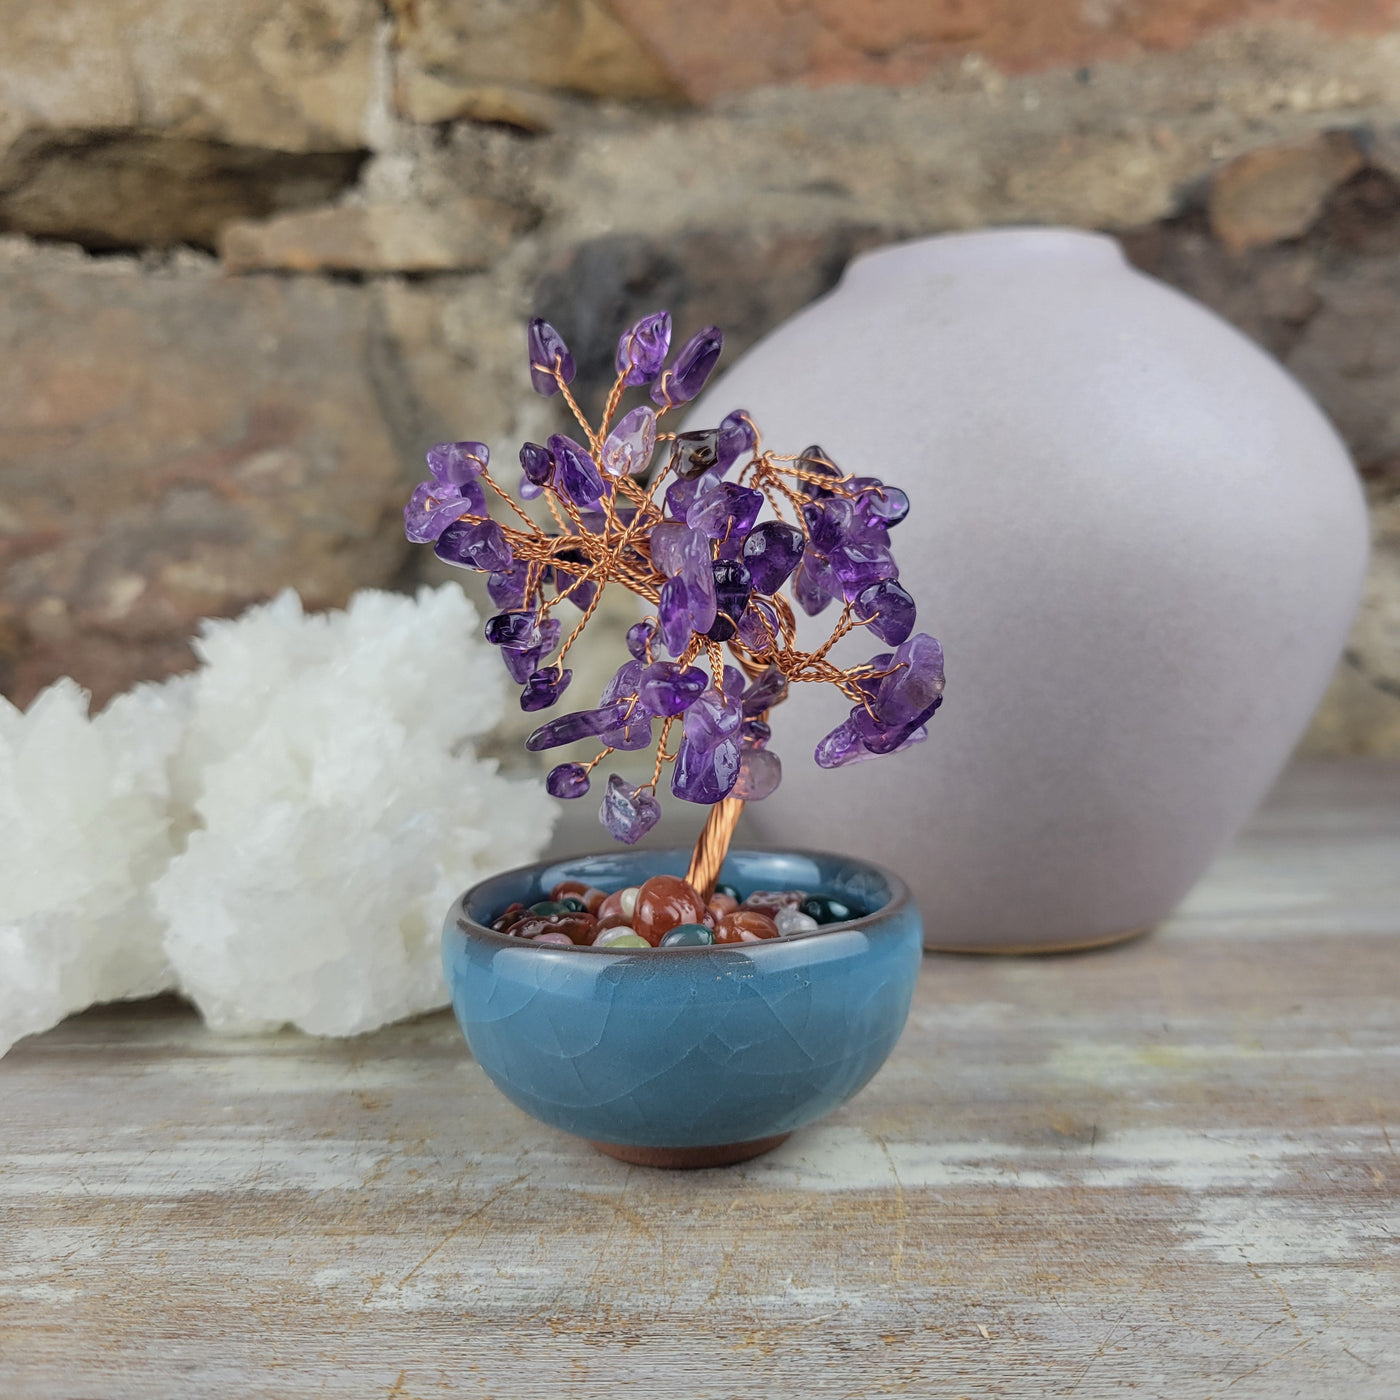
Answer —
620 552
710 850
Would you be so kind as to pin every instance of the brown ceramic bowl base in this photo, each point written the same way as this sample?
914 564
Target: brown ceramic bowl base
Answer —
725 1154
1017 950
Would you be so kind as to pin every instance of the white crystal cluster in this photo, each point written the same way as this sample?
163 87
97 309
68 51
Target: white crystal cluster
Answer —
277 835
85 828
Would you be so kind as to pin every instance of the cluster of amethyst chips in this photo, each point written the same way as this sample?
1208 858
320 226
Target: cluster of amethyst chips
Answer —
684 531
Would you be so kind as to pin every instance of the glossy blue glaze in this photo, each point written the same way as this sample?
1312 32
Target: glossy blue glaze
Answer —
686 1047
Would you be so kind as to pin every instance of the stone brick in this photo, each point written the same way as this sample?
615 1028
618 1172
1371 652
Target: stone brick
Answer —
1355 717
482 58
464 235
130 189
149 122
284 75
449 363
1324 304
1375 644
731 45
175 444
745 282
1116 147
1278 192
211 405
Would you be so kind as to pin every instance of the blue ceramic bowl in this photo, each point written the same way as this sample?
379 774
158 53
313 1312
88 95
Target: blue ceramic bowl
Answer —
686 1056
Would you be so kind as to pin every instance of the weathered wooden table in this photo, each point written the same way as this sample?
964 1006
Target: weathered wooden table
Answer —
1167 1169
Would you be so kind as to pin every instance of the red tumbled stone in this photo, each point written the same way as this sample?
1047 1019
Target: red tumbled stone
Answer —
663 903
745 926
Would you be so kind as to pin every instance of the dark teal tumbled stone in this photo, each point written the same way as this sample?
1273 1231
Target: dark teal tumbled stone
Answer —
826 910
552 906
576 906
687 936
730 891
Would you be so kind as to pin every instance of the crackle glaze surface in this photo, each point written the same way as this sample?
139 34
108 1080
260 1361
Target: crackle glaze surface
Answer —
686 1047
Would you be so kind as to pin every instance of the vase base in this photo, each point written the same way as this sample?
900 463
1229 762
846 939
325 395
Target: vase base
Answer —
724 1154
1017 950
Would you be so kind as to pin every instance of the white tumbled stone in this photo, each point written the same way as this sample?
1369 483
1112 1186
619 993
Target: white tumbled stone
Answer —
791 919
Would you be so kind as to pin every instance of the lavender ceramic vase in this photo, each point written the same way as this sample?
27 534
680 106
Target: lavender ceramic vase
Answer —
1138 539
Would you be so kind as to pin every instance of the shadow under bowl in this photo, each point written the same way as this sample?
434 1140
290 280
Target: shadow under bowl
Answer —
686 1056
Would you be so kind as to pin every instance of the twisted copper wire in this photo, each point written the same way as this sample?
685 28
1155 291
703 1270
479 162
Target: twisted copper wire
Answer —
710 850
621 554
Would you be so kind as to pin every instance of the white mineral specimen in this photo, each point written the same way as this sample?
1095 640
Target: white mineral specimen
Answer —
338 808
84 828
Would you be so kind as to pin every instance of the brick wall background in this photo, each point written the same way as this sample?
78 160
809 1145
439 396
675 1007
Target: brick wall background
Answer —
255 256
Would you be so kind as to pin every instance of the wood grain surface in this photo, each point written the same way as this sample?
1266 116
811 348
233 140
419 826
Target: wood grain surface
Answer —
1167 1169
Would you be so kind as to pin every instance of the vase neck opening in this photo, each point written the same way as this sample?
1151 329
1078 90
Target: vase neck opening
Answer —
1004 249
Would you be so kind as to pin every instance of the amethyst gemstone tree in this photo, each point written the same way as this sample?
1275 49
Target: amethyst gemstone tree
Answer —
675 518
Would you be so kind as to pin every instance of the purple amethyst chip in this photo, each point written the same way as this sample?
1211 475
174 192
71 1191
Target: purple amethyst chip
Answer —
860 563
456 463
736 436
887 610
640 636
760 773
642 349
768 689
771 552
575 472
692 368
628 812
673 610
667 689
708 757
507 586
732 589
518 629
434 506
627 449
758 627
914 682
549 356
878 504
475 545
728 512
757 733
815 584
568 780
521 663
682 494
544 688
537 463
632 730
581 724
815 461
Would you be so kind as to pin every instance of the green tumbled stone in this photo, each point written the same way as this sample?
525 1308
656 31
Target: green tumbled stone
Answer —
553 906
577 906
730 891
826 910
687 936
627 940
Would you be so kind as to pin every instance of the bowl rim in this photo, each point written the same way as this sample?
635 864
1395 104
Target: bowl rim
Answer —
900 899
